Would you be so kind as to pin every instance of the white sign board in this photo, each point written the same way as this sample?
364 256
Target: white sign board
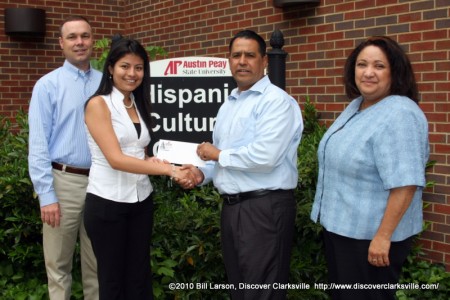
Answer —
186 94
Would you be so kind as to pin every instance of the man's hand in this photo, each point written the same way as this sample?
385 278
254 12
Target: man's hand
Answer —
196 178
51 214
206 151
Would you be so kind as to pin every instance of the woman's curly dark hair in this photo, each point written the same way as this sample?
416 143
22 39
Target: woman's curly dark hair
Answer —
403 82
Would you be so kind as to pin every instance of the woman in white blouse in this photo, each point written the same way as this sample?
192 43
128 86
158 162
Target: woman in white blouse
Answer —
119 206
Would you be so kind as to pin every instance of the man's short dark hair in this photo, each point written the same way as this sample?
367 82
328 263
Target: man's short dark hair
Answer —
251 35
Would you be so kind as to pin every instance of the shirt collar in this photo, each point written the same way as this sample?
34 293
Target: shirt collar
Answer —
118 96
258 87
75 72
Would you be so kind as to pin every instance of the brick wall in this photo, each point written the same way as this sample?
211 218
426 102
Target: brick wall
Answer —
23 60
318 38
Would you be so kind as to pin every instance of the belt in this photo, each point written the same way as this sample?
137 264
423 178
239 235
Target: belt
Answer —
231 199
69 169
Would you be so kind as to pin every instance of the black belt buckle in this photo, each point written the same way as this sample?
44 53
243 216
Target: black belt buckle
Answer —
231 199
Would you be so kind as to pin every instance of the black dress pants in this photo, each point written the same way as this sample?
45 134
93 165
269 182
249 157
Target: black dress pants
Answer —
120 234
347 264
257 236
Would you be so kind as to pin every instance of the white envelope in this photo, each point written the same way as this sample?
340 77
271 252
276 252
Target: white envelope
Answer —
179 153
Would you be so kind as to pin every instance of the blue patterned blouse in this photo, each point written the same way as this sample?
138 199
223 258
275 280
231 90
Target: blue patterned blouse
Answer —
362 156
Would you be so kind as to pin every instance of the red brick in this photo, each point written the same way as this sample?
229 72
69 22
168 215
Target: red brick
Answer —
434 256
447 262
437 227
425 243
434 217
441 247
433 236
443 209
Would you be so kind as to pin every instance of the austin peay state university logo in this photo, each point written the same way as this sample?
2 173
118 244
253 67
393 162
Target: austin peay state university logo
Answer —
172 67
200 67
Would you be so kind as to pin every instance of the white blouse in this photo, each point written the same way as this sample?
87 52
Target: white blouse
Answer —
112 184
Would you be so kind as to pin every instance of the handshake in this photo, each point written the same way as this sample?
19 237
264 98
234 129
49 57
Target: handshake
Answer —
188 175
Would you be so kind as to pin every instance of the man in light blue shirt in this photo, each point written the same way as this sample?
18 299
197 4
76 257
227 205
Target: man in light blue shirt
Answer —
59 159
253 164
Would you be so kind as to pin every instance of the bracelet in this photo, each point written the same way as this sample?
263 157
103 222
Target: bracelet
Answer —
172 176
174 171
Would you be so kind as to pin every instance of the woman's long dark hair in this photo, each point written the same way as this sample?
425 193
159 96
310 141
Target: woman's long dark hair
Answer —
120 47
403 82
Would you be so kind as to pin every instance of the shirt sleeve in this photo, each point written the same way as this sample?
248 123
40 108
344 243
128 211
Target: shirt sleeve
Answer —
39 160
401 150
208 172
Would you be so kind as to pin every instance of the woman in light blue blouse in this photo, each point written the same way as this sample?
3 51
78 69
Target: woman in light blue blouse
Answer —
371 173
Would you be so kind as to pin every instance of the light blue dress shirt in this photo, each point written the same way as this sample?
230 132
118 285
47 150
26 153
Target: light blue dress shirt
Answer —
362 156
258 132
56 121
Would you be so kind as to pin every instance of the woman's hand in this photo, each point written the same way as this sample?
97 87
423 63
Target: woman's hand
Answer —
197 177
184 177
398 202
379 251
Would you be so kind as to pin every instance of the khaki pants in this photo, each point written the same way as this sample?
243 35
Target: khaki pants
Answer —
59 242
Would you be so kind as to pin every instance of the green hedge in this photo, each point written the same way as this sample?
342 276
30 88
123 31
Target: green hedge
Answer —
21 258
186 238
